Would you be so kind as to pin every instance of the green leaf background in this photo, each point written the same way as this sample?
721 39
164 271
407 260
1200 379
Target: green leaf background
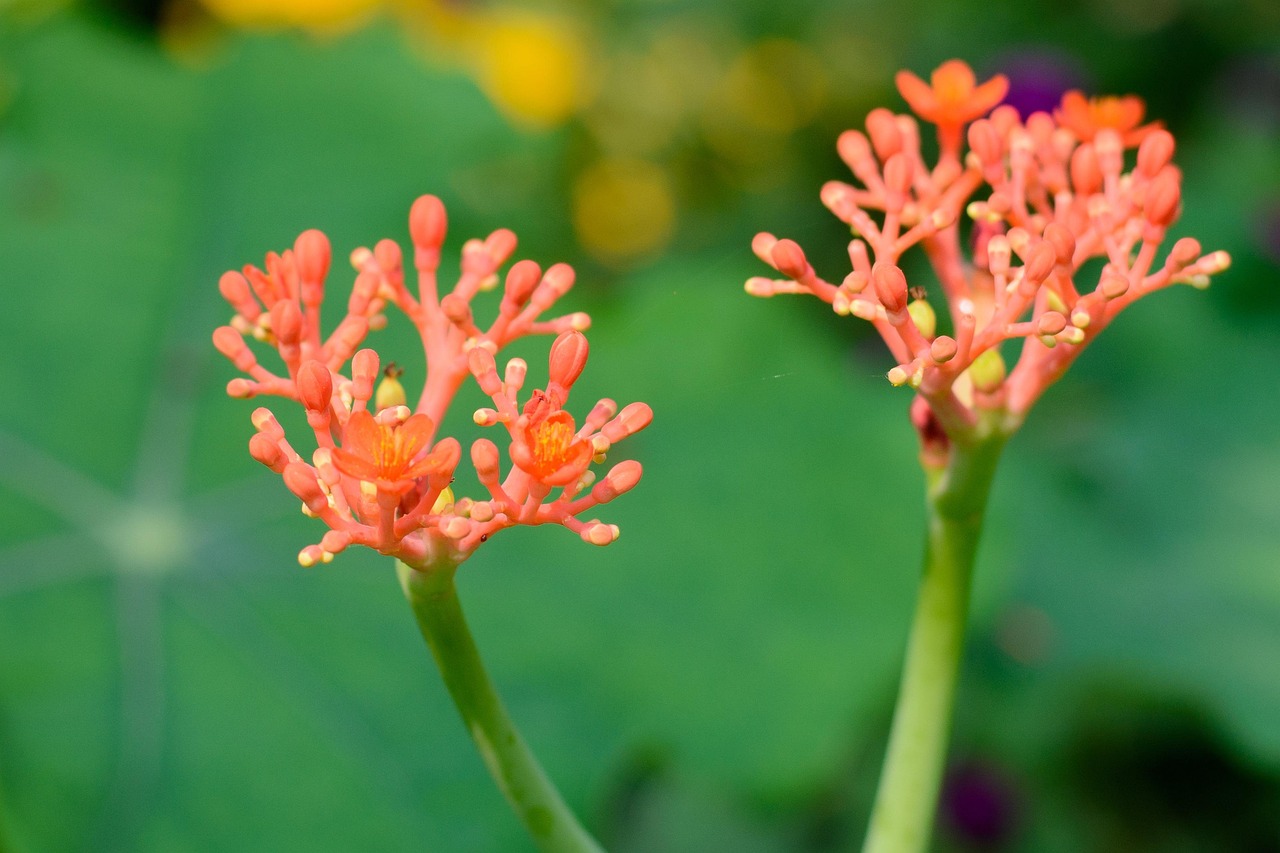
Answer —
721 677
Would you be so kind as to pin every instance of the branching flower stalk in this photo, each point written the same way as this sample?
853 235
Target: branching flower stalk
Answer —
380 474
1010 227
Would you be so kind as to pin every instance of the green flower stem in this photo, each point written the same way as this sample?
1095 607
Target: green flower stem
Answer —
536 801
903 815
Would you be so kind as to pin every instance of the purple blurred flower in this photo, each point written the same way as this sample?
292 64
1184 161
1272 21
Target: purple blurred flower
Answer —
1038 77
980 805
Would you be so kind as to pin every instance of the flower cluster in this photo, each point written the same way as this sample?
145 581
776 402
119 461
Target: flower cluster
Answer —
1058 194
380 476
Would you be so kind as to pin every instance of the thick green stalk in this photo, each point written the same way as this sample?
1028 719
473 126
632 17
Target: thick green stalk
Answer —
536 801
903 815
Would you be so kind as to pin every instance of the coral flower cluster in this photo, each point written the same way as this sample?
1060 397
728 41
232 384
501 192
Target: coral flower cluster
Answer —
380 475
1039 234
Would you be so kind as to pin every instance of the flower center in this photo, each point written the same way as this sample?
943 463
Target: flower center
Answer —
552 439
389 456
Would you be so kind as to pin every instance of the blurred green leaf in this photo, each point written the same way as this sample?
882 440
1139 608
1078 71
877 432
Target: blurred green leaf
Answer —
170 680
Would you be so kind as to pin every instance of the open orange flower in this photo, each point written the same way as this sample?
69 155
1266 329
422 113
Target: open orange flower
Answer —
1086 116
951 99
389 456
546 446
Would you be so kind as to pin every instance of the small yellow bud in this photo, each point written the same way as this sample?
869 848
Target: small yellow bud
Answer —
987 371
443 502
1072 335
864 309
390 392
923 316
360 257
1055 302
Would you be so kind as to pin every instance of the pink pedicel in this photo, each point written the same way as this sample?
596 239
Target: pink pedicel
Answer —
1045 195
380 475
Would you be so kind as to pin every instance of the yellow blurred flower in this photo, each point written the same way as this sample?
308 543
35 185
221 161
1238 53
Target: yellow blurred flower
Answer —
534 68
777 85
650 93
769 91
623 209
320 14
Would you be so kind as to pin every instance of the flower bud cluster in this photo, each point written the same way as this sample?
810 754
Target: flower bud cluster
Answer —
548 450
380 476
1063 229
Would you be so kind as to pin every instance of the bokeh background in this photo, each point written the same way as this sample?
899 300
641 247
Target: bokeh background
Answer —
721 678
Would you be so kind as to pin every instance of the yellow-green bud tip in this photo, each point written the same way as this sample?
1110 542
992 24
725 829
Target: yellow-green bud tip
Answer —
987 371
390 392
1072 335
1055 302
443 501
922 314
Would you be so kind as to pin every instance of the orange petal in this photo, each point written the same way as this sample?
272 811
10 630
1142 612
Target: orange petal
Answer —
354 465
1134 137
413 435
1074 115
562 419
953 75
1073 103
362 435
986 96
393 487
444 456
952 82
918 95
577 460
1129 112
